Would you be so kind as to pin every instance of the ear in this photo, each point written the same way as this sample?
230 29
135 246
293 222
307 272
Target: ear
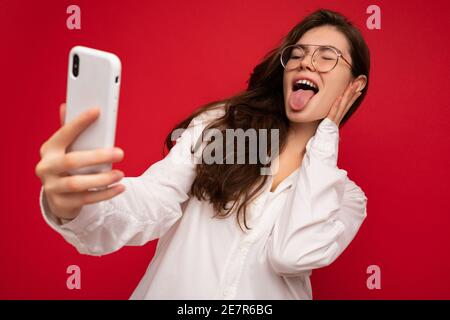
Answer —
362 81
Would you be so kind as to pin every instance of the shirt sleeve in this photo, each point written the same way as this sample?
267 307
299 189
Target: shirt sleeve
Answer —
149 206
323 212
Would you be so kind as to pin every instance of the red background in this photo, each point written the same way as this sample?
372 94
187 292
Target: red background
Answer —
396 147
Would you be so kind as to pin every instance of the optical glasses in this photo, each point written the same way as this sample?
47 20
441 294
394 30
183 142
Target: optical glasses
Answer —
324 58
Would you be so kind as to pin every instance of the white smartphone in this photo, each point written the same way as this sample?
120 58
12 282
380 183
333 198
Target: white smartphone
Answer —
93 80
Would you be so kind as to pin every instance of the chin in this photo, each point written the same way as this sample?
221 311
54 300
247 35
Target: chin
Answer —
298 116
307 114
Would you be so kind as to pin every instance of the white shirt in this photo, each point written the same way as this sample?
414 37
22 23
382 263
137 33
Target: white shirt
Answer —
305 224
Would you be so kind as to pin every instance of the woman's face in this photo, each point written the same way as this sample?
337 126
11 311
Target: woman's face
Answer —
331 84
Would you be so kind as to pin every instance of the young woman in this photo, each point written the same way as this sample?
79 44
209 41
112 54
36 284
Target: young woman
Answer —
226 231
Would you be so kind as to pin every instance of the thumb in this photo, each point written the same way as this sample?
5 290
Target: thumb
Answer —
62 113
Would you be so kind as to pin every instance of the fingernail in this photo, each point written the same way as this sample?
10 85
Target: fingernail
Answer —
118 174
95 110
118 152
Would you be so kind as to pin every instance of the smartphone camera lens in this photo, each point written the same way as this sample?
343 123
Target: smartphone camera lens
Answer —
76 65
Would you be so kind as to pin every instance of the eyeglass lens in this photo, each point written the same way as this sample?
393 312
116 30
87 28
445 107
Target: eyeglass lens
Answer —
324 59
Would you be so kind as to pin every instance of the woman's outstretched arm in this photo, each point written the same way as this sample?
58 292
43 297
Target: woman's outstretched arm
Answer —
149 206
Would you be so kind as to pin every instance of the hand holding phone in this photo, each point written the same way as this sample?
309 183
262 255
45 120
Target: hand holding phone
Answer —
65 194
76 161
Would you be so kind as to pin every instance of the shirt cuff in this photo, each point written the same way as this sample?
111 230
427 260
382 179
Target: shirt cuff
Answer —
53 221
73 230
324 145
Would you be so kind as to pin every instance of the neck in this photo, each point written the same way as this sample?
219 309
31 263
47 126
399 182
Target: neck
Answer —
299 135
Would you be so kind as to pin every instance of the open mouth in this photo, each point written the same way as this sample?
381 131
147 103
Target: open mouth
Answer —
302 91
305 85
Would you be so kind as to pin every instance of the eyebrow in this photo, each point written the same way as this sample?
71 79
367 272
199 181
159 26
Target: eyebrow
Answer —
305 46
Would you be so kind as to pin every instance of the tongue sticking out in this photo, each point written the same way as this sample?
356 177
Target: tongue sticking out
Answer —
300 98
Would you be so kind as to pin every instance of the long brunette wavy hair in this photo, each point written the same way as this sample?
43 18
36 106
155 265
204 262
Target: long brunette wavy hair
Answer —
261 106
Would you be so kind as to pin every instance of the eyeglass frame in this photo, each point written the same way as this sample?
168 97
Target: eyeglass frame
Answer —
336 50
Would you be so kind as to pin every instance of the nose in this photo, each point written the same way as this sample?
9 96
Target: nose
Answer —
306 63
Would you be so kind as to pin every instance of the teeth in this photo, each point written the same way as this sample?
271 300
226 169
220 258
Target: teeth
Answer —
307 82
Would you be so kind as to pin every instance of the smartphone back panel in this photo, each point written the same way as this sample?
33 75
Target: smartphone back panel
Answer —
93 80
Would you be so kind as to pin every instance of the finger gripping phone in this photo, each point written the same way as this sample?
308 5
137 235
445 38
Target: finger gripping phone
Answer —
93 80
